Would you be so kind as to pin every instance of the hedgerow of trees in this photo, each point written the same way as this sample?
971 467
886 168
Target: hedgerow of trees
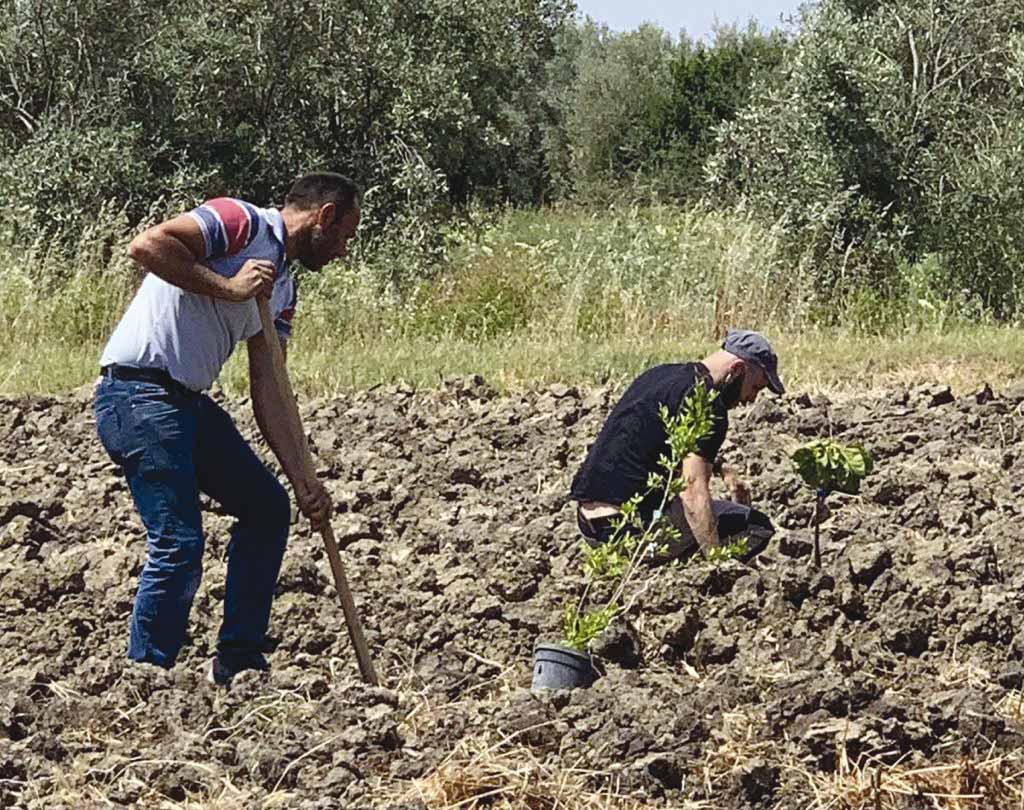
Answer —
439 100
886 135
128 100
892 136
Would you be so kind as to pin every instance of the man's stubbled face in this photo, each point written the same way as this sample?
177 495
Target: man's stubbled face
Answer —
732 390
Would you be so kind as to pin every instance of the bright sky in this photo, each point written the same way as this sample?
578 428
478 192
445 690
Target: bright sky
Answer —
696 16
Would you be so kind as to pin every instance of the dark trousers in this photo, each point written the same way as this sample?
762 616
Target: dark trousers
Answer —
173 444
734 520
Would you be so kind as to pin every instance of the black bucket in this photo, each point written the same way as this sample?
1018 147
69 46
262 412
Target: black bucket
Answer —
558 667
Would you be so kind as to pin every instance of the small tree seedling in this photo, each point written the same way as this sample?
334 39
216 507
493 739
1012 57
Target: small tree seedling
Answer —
581 629
730 551
827 466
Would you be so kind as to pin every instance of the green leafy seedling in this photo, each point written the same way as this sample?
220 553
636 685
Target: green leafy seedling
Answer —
579 629
833 467
828 466
610 560
731 551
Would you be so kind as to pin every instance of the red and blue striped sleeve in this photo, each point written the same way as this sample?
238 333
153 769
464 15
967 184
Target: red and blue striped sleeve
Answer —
228 226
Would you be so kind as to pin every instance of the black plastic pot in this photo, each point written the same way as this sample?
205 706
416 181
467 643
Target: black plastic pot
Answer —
558 667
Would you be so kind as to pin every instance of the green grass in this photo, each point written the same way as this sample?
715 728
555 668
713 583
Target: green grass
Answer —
814 361
531 298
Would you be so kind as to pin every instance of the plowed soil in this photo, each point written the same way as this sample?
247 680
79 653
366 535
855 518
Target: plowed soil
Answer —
735 686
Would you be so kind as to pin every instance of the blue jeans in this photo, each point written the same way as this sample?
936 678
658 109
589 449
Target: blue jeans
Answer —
174 444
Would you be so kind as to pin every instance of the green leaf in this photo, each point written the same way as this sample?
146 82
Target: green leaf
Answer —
825 464
580 629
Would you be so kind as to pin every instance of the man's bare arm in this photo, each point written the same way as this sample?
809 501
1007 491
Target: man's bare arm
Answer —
696 500
173 251
275 424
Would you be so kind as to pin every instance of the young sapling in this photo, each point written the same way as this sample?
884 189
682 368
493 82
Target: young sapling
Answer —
828 466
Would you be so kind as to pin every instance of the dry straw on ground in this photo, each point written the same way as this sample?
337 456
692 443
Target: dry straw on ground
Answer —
995 783
508 776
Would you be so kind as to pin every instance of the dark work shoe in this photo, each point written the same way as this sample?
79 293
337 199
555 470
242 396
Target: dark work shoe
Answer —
217 673
756 543
220 671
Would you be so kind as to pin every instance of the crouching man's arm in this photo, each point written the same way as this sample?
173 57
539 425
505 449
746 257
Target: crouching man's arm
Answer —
696 500
274 423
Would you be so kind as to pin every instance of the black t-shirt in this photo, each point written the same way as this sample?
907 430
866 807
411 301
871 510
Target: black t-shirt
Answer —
633 439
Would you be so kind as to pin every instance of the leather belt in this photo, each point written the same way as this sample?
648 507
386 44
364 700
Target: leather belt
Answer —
157 376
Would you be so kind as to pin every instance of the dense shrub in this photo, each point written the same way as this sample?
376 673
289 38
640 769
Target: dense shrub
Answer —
422 101
611 105
638 106
893 134
709 86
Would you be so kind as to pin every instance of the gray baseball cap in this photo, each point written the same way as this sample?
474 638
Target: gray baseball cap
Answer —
754 348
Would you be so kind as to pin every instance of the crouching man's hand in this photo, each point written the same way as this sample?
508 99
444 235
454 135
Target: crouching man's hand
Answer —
739 490
314 502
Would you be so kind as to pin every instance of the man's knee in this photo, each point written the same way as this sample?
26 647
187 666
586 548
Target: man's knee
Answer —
274 510
177 552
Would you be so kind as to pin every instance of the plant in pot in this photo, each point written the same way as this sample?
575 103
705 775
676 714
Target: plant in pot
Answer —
828 466
614 564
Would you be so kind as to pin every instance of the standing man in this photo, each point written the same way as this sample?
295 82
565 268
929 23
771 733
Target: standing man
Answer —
633 439
205 270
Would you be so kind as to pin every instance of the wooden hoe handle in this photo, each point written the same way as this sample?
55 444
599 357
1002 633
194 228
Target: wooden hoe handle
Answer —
355 627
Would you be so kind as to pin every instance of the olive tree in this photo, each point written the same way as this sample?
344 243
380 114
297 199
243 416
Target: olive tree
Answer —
132 99
891 136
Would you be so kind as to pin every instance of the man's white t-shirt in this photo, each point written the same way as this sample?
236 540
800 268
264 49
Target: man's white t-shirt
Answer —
191 336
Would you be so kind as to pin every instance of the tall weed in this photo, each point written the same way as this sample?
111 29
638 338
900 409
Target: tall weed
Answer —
58 304
524 297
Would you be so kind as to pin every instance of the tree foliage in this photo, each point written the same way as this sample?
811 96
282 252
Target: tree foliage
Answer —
894 133
429 104
885 137
709 86
129 100
639 105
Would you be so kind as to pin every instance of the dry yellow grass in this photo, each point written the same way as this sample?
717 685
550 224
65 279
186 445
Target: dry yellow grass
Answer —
995 783
540 297
508 776
812 362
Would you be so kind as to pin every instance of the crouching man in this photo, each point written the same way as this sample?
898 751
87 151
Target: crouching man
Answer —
628 448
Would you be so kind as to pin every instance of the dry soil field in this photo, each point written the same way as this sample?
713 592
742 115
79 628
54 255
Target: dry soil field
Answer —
770 685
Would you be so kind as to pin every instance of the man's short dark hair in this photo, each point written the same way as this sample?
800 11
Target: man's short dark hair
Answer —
319 188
